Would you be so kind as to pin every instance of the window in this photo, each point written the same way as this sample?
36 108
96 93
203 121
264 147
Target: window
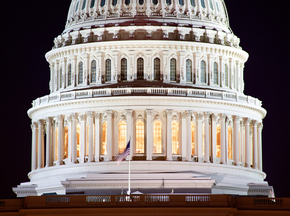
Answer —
156 69
104 138
108 70
175 137
230 144
127 2
84 4
211 5
155 2
217 6
193 139
140 69
92 3
226 76
103 2
181 2
94 71
188 70
114 2
172 69
77 7
218 141
168 2
202 3
81 73
192 3
122 136
141 2
140 137
157 137
123 69
69 75
215 73
203 72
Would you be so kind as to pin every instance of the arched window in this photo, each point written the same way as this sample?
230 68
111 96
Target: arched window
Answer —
108 70
218 141
141 2
155 2
65 149
181 2
69 75
77 7
202 3
84 4
122 136
94 71
217 6
211 5
140 137
140 69
127 2
114 2
192 3
92 3
172 69
226 75
168 2
156 69
157 137
193 139
215 73
104 138
188 70
202 72
103 2
81 73
230 143
123 69
175 137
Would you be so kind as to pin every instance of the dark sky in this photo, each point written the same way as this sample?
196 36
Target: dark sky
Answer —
27 33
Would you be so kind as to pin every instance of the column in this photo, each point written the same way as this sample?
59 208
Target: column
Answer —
74 120
247 142
60 140
223 138
242 146
149 135
109 135
188 137
236 140
198 135
40 158
169 134
83 141
213 137
91 135
69 149
184 137
206 137
97 137
255 147
49 160
34 127
260 161
129 113
227 140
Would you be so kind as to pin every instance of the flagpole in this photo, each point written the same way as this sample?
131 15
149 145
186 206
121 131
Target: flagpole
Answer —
129 190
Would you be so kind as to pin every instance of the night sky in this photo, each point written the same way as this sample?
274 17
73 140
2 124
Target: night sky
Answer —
27 33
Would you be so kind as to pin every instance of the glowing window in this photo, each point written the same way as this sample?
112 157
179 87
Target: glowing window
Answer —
188 70
215 73
192 3
81 73
172 69
218 141
140 69
65 149
69 74
108 70
202 3
157 137
193 138
226 75
202 72
156 69
230 144
123 69
155 2
127 2
92 3
175 137
94 71
84 4
181 2
168 2
77 7
140 137
122 136
211 5
114 2
104 138
103 2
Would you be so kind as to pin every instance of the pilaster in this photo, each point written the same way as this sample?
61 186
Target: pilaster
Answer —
149 135
198 134
206 137
91 135
169 134
83 141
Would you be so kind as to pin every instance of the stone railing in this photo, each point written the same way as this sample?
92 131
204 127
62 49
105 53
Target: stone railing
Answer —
196 93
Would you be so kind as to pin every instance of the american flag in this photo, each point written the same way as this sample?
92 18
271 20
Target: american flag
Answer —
123 155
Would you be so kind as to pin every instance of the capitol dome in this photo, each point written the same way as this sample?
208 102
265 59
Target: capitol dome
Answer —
166 75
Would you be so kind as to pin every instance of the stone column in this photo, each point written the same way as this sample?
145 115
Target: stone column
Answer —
97 137
184 137
206 137
91 135
236 140
260 161
223 138
49 160
242 146
60 140
169 134
255 147
149 135
247 142
34 127
198 138
227 140
129 113
109 135
74 138
69 149
83 141
40 158
213 137
188 137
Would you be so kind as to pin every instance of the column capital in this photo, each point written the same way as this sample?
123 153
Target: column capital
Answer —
74 116
34 125
169 112
198 116
222 116
247 121
254 123
129 112
97 115
109 112
188 113
149 112
49 120
90 114
260 126
236 118
83 117
214 117
59 118
40 122
206 114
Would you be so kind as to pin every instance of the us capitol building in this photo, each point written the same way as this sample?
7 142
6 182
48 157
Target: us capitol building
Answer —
168 75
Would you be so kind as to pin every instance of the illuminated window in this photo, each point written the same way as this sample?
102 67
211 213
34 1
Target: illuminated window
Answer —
230 144
188 70
78 139
114 2
140 69
226 75
94 71
202 3
181 2
157 137
77 7
140 137
202 72
122 136
104 138
155 2
69 74
108 70
215 73
92 3
172 69
84 4
103 3
193 138
192 3
175 137
218 141
211 5
156 69
65 150
81 73
123 69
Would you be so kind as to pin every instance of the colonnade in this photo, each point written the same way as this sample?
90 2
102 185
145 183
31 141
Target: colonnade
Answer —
172 135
